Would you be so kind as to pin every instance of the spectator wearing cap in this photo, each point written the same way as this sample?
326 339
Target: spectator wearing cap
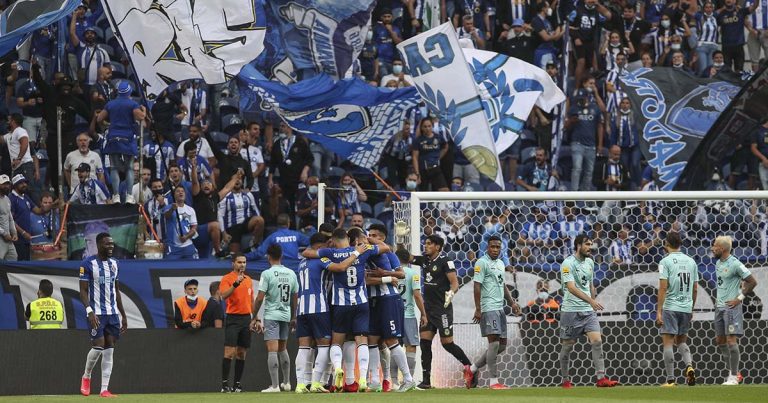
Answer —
19 148
121 147
8 234
83 155
386 35
89 55
517 41
189 311
544 35
89 190
21 207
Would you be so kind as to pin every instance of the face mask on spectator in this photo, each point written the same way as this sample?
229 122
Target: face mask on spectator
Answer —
675 46
589 6
193 298
313 189
718 65
543 295
549 12
397 69
625 112
677 65
455 187
588 89
157 192
369 35
410 185
665 23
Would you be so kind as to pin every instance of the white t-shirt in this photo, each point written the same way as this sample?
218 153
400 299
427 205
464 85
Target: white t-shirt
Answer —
135 193
12 139
203 149
187 218
254 157
406 77
75 158
186 99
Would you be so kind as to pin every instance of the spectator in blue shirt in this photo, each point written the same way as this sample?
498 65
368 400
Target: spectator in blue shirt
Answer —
21 208
122 112
534 176
386 36
42 49
287 238
586 132
731 19
428 149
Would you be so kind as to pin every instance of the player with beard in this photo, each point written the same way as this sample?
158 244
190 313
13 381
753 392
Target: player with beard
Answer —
440 285
578 311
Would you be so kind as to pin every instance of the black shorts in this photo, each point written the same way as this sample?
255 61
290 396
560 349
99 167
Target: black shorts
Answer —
236 332
439 321
433 177
586 51
237 231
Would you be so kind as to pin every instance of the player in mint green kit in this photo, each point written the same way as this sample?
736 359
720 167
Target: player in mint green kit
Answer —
490 293
279 287
729 314
578 315
678 278
410 291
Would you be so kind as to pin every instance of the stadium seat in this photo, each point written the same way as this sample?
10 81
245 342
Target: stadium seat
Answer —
228 106
368 221
110 51
378 208
231 124
118 71
103 23
527 154
220 140
334 173
366 209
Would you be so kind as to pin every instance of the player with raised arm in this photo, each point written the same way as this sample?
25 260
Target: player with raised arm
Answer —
279 287
578 315
490 291
386 312
313 321
439 287
729 313
349 299
410 292
100 293
678 278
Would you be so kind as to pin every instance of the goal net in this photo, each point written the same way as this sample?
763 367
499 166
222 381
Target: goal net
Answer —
628 229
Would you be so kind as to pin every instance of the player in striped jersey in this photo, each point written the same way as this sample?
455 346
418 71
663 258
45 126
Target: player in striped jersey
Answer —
313 321
386 312
100 293
349 298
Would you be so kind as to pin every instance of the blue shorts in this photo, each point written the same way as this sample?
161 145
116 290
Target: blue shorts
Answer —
108 325
351 319
179 253
314 325
386 317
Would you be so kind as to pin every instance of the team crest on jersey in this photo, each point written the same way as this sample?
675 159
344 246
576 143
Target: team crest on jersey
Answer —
566 270
477 269
82 271
447 332
416 278
93 332
325 260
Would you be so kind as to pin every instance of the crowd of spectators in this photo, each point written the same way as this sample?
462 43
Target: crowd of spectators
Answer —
217 180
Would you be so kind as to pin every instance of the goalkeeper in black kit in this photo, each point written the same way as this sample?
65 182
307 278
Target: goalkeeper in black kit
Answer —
439 286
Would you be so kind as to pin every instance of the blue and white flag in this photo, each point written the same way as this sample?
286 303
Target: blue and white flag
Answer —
349 117
170 41
27 16
510 88
312 37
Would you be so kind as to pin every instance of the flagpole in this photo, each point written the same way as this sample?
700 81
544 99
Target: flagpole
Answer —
386 185
59 172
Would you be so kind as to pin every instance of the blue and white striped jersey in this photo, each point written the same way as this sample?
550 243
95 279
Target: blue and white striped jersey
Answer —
236 208
759 18
90 192
349 286
313 279
101 276
706 28
389 262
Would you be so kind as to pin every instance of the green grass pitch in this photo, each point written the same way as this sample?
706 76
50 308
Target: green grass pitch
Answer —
682 393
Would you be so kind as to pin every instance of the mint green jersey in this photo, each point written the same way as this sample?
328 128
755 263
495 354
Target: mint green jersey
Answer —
489 273
279 284
681 273
409 285
729 275
581 273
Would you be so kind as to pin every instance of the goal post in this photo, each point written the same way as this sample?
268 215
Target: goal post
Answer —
628 228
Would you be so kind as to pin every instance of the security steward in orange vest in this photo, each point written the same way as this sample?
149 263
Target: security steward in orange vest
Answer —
189 310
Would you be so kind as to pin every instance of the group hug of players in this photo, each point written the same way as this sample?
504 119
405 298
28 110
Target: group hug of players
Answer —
354 302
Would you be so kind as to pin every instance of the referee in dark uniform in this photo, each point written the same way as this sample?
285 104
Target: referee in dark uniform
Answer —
440 284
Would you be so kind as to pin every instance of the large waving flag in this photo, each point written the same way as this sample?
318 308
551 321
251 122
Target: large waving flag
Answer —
310 37
169 41
349 117
509 89
675 110
27 16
